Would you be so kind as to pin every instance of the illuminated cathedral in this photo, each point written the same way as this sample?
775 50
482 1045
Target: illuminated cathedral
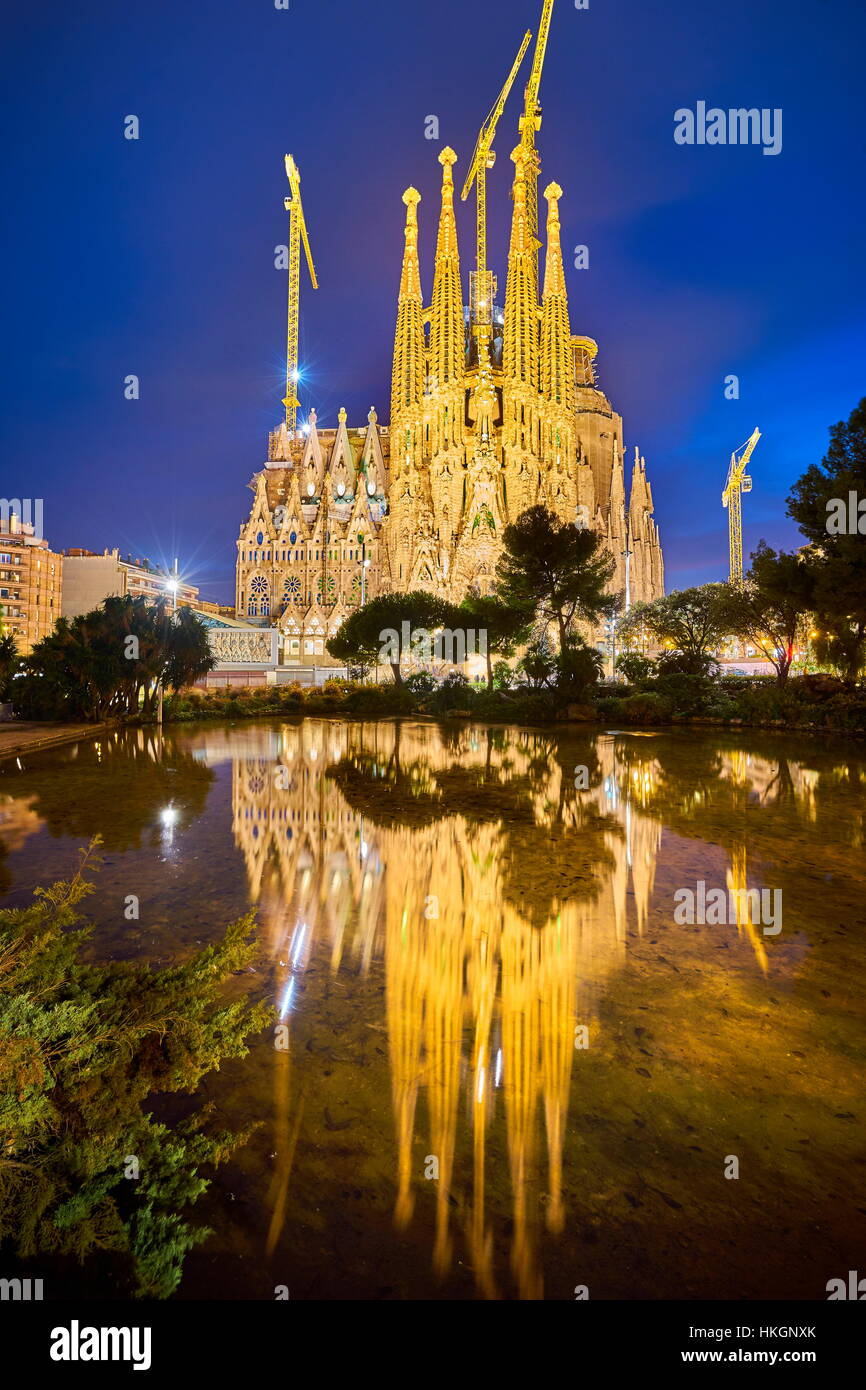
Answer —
494 409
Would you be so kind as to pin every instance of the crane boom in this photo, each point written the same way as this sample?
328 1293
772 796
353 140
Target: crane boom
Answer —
736 483
488 129
482 283
297 236
531 113
530 121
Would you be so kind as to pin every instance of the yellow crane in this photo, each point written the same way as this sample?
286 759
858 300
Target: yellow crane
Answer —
736 484
297 234
482 282
530 121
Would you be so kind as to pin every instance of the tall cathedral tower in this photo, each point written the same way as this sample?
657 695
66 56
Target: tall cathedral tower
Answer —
487 419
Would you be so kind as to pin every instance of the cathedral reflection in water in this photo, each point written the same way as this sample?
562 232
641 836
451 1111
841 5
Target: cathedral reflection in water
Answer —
499 1065
499 894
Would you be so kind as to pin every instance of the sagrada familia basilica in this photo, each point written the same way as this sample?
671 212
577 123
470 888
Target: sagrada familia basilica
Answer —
493 410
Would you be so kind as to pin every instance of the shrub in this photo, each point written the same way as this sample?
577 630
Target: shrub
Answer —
84 1050
381 700
610 707
504 676
685 694
645 708
455 692
686 664
635 668
534 707
577 671
421 683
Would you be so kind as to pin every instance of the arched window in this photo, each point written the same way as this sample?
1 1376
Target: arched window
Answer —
260 601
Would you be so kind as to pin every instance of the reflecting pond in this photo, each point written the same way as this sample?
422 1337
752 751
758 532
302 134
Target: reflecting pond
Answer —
517 1054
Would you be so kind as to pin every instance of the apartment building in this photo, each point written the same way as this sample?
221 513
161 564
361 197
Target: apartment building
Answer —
31 577
90 578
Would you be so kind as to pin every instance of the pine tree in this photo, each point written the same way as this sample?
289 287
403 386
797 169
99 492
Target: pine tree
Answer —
84 1048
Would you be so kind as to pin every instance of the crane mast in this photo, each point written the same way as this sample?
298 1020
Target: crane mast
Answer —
736 484
297 235
530 121
482 282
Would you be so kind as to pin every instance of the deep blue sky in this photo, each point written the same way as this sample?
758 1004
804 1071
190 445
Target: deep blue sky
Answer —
155 257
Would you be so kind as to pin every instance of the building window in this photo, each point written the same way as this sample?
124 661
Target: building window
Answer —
259 587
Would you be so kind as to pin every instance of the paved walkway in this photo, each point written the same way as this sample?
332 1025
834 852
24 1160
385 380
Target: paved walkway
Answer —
21 737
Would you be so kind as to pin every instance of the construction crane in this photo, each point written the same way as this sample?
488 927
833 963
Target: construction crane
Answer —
482 282
297 234
737 483
530 121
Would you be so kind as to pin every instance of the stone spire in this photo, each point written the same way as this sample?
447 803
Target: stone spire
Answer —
557 366
407 379
520 346
447 355
640 499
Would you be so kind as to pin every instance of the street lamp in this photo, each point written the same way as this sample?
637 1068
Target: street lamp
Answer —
172 585
627 554
611 635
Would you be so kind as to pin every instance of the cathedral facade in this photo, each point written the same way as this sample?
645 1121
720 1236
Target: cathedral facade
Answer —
493 410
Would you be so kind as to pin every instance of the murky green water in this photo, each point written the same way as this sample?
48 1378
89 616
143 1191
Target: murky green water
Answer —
509 1069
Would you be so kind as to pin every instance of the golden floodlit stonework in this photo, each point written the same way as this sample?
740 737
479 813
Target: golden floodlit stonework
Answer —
490 414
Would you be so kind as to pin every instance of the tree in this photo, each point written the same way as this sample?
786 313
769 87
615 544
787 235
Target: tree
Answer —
555 570
504 626
188 652
9 662
578 668
389 627
828 504
109 663
84 1048
635 668
771 606
538 663
357 642
692 621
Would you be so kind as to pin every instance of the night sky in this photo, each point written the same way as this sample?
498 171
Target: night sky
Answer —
156 256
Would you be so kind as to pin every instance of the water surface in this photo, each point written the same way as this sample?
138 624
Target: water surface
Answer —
503 1068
